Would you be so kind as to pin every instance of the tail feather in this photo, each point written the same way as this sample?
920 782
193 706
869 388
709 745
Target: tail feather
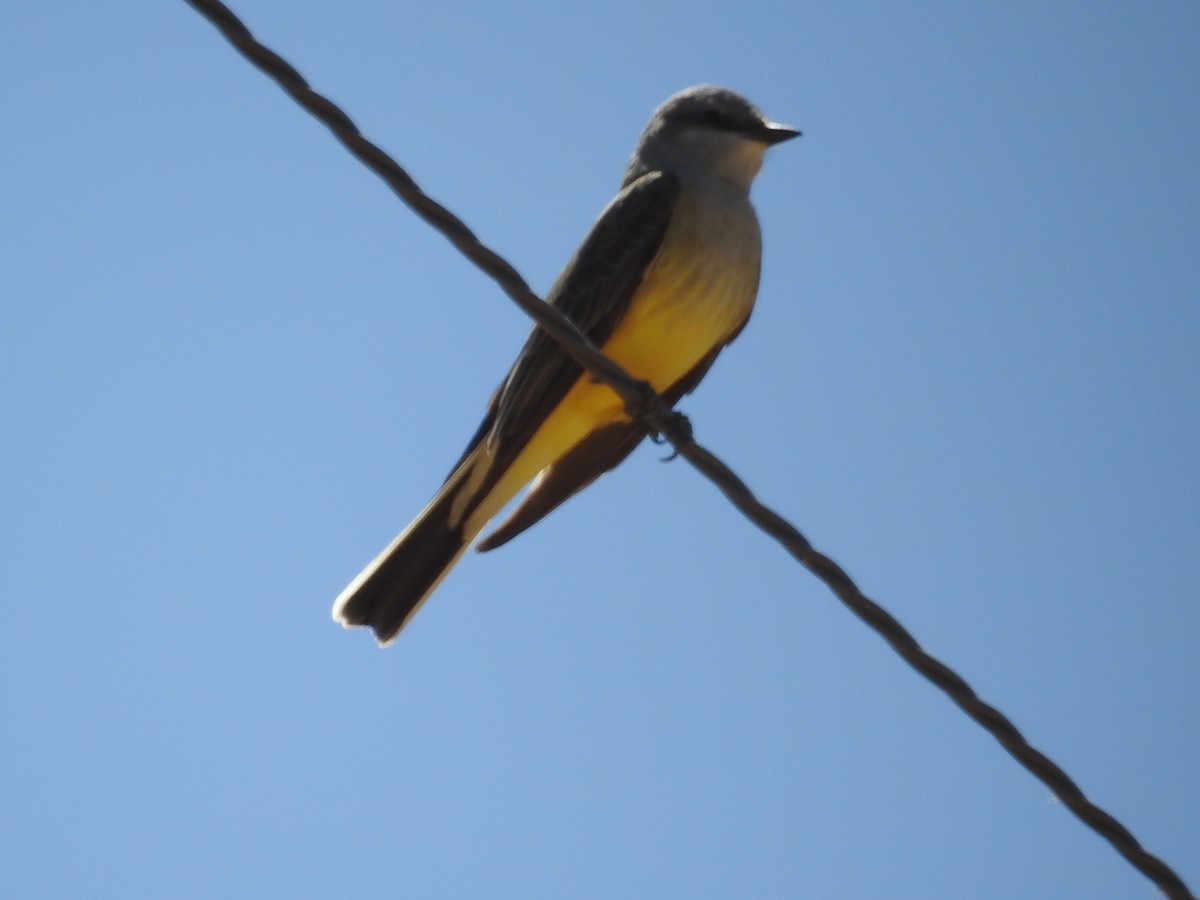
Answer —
389 591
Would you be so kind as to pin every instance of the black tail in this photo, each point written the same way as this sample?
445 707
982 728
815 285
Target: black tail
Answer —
387 593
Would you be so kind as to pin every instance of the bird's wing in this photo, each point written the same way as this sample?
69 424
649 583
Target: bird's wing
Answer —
600 451
593 291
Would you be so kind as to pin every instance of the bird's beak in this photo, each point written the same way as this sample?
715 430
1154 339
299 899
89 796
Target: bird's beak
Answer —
775 133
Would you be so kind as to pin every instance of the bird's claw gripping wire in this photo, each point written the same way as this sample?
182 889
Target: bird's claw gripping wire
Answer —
663 424
671 427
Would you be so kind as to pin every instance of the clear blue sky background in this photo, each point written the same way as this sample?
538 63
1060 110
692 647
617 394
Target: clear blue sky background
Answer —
233 365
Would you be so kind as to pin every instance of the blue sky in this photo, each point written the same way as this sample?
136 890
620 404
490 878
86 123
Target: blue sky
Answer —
233 366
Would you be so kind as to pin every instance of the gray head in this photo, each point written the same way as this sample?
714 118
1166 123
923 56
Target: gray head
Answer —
707 132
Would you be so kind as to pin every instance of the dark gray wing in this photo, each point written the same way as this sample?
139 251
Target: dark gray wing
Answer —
593 291
602 450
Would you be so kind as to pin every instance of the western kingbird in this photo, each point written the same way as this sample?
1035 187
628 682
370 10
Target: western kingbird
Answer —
665 279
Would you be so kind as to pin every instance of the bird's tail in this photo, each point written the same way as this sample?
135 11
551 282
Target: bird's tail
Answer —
389 591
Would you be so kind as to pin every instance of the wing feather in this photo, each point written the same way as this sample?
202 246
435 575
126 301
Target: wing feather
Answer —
596 454
593 291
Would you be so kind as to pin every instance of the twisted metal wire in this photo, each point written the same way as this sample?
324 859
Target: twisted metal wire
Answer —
660 420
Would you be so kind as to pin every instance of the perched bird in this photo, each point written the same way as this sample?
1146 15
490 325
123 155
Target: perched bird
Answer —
663 281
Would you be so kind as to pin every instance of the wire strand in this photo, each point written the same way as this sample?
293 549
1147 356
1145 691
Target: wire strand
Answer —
659 419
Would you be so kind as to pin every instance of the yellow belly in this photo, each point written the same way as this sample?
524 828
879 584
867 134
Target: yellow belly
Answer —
696 293
671 324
